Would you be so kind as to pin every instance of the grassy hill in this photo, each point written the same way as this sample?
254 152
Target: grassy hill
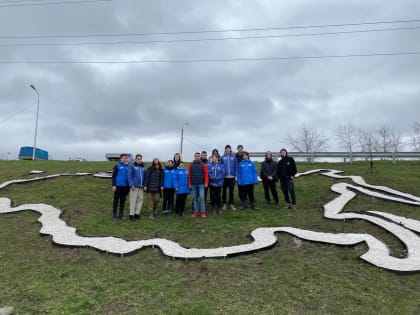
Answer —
38 277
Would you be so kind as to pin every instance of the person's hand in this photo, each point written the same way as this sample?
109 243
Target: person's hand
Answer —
114 188
145 188
270 177
133 187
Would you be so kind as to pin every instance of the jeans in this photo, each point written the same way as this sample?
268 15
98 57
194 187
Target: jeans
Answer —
228 183
198 192
287 186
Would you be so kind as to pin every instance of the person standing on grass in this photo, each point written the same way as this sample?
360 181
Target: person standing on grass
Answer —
216 177
181 188
153 185
198 179
135 178
239 157
120 186
247 178
268 175
203 157
168 188
286 171
231 165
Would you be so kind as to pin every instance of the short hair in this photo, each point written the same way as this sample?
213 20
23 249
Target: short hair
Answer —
197 153
139 155
204 152
246 153
123 154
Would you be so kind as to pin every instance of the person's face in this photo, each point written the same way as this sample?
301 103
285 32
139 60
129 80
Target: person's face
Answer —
156 161
269 156
169 163
283 153
240 150
214 159
197 157
203 156
228 150
139 159
177 157
181 165
246 157
124 159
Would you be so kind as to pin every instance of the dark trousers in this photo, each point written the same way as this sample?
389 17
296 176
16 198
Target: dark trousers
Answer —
119 200
180 203
287 186
168 199
215 198
270 185
240 193
228 183
247 192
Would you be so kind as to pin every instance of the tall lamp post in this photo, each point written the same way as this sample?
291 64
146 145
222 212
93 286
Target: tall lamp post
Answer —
182 137
36 123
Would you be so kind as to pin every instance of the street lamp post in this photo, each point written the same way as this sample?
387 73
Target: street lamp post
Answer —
182 138
36 123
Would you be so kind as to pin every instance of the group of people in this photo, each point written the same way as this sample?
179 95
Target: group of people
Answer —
218 174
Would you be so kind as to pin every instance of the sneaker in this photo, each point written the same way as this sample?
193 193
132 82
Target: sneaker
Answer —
232 207
203 215
114 218
151 216
137 217
294 207
194 214
224 207
288 206
277 206
268 204
131 217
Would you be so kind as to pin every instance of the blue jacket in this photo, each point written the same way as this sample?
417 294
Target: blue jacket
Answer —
230 163
168 177
216 174
180 180
135 175
119 175
247 173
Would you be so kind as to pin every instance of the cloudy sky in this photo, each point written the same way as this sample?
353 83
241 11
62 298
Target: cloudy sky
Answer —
94 107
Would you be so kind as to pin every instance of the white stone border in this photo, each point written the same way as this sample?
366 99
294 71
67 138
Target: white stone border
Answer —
377 254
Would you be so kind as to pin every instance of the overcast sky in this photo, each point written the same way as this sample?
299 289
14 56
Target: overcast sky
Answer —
89 109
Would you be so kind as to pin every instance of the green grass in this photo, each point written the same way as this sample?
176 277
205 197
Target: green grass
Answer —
37 277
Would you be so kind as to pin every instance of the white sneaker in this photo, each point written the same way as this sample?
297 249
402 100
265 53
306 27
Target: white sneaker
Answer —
232 207
224 207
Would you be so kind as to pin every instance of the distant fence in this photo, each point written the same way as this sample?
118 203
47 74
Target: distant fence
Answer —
346 156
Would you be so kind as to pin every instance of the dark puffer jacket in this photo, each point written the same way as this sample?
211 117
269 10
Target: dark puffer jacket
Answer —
268 168
286 168
154 179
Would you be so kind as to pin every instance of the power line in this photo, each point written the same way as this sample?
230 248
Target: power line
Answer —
15 113
386 54
50 3
210 39
210 31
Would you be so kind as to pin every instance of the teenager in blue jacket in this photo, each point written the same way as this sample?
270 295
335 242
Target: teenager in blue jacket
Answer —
216 179
168 188
135 178
120 186
230 163
247 178
182 189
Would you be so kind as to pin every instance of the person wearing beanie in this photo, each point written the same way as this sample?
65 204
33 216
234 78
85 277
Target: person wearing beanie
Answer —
230 163
268 174
286 171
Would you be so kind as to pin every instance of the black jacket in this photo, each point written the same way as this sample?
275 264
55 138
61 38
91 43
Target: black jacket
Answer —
286 168
153 179
268 168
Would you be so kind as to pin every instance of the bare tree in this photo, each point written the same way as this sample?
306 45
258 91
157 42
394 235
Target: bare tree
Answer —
368 140
308 140
347 136
415 136
389 139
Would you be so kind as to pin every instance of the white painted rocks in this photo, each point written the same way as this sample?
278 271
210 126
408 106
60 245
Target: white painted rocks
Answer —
378 254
